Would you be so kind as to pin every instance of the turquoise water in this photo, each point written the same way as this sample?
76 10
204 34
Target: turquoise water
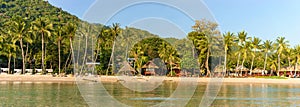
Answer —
68 94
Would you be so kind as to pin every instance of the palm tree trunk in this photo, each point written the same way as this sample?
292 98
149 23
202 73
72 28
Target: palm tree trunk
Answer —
111 58
296 67
23 56
207 64
225 61
242 66
251 68
43 66
72 50
265 64
289 59
238 61
59 57
8 64
278 69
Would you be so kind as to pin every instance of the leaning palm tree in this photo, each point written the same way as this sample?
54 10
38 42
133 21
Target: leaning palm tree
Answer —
228 43
267 47
255 44
115 31
43 27
19 30
282 45
70 30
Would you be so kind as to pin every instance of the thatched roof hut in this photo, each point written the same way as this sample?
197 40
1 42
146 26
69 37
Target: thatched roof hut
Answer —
126 69
241 68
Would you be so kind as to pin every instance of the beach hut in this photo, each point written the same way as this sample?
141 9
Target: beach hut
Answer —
219 70
149 68
126 70
242 70
259 72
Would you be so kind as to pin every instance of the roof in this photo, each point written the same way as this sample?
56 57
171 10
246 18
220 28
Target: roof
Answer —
150 64
243 68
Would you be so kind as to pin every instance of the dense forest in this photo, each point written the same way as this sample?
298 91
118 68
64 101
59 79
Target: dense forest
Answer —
34 34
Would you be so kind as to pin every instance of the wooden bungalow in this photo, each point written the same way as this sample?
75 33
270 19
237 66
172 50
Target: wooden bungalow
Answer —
219 71
149 68
289 71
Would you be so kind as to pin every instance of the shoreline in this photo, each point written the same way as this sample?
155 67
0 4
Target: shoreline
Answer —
51 79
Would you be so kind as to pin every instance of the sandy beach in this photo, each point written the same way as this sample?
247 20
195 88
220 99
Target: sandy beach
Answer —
50 78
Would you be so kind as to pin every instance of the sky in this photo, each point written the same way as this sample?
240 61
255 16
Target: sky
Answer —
266 19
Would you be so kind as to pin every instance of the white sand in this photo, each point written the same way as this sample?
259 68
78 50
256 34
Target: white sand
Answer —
49 78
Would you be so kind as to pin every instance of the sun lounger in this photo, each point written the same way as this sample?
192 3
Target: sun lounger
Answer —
17 71
4 69
49 70
38 70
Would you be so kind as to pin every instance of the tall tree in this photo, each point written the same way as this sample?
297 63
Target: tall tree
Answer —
209 29
70 30
19 32
43 26
115 31
255 44
228 43
267 47
59 38
282 45
297 54
241 41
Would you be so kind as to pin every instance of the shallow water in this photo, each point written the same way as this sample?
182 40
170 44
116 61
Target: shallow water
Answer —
68 94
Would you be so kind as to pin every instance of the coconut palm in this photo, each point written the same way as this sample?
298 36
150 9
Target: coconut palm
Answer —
289 54
10 48
282 45
228 43
59 37
70 30
241 41
115 31
267 47
297 54
19 32
43 26
255 45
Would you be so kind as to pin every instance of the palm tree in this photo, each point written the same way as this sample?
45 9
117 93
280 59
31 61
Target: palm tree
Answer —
245 49
241 41
59 37
115 31
19 30
282 45
44 27
255 44
297 54
228 43
168 54
267 47
10 48
70 30
289 53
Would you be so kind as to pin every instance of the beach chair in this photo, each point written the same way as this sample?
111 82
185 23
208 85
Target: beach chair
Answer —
38 71
28 71
17 71
49 71
4 70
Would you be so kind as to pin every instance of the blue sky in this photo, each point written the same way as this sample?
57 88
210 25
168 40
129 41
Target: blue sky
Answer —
266 19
